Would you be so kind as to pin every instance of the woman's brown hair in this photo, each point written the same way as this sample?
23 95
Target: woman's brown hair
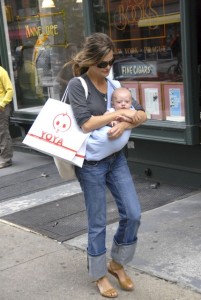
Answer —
95 47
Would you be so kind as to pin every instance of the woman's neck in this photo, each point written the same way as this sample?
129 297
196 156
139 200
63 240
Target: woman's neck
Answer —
99 82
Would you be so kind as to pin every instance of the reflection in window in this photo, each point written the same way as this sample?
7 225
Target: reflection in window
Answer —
147 41
42 40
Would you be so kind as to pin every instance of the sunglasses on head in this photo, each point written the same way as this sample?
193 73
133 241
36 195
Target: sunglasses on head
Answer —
104 64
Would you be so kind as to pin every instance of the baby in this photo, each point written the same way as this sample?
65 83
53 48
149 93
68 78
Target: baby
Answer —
121 98
99 145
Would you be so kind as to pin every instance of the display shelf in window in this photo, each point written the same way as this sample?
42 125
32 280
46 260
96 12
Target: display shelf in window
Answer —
174 101
151 99
133 88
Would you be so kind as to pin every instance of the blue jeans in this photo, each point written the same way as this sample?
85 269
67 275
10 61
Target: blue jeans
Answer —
94 177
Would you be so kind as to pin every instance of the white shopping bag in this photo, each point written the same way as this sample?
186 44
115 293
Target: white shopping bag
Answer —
56 133
65 168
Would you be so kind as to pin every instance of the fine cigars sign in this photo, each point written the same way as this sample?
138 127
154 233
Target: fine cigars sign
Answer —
134 69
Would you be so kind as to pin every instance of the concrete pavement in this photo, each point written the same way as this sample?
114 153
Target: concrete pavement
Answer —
24 160
166 265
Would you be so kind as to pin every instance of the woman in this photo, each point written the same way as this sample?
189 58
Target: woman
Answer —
93 63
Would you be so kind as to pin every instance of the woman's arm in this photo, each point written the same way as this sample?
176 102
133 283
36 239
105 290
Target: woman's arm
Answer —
138 118
116 131
82 112
96 122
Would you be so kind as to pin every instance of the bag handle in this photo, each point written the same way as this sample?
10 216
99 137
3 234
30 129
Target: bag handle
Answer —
63 99
83 82
111 86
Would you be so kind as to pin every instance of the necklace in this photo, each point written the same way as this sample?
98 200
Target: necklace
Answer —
104 96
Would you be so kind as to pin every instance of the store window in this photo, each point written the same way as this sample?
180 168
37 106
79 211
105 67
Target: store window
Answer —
199 49
147 39
41 39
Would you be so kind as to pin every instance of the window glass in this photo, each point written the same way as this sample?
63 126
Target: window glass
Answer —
199 49
41 40
148 54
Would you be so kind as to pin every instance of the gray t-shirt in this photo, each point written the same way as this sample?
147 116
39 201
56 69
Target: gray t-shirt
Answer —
83 109
95 104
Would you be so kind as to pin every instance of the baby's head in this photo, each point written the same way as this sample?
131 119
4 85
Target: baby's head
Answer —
121 98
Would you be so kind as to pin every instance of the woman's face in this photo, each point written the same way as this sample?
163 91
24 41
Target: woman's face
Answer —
101 70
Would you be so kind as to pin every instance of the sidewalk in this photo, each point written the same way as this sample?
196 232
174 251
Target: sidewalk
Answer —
166 265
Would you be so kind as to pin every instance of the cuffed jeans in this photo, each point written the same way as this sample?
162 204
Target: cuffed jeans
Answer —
94 177
6 151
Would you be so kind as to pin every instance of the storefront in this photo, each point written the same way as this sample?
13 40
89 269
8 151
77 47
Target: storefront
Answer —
157 52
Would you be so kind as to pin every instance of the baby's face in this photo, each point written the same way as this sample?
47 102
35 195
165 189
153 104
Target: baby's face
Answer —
120 103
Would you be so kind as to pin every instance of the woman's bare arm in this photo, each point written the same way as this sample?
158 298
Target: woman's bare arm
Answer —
116 131
99 121
138 118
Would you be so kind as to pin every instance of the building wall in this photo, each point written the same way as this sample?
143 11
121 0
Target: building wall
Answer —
165 162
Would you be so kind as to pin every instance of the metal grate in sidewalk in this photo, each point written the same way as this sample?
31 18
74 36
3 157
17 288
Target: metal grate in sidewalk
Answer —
66 218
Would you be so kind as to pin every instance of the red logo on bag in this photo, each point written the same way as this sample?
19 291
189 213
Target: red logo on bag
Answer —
62 122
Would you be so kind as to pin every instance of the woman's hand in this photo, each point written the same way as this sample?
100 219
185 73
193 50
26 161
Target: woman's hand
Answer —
117 130
125 116
139 117
135 118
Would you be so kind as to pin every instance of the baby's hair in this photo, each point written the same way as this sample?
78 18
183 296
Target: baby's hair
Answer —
120 89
